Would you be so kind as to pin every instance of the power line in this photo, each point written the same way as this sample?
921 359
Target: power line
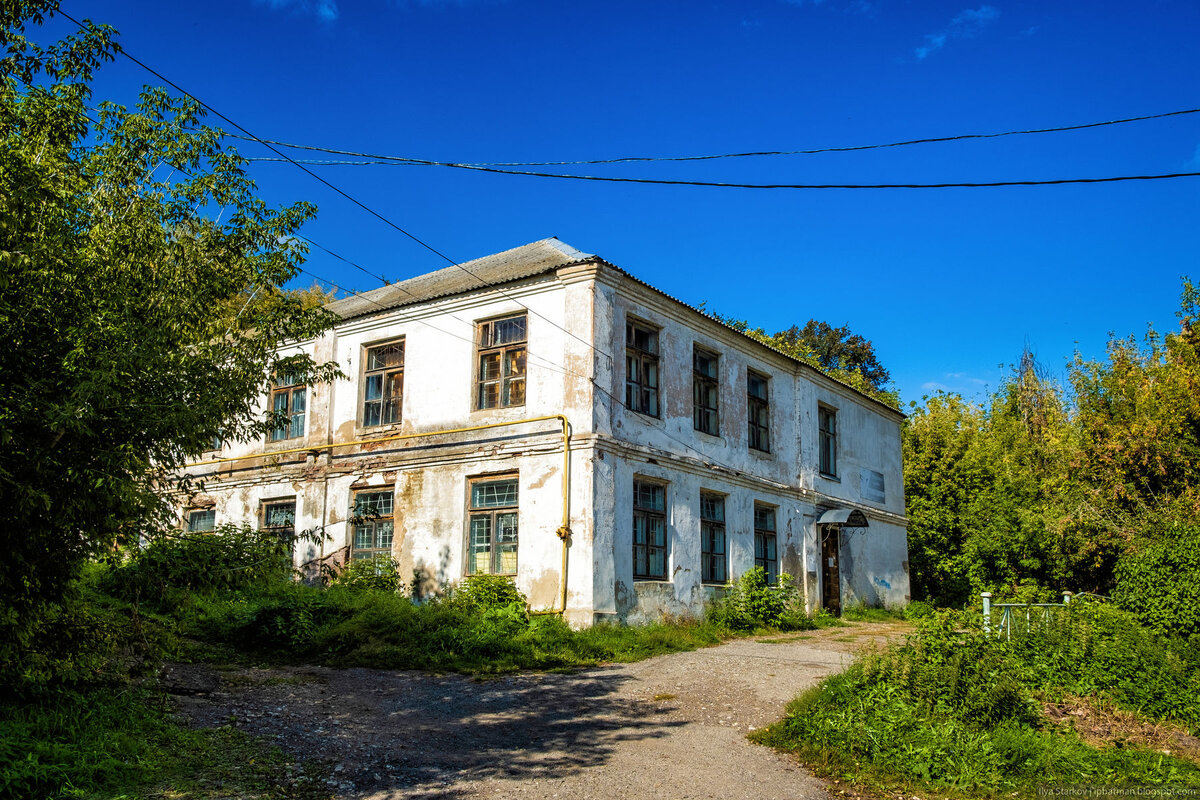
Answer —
338 190
754 154
393 161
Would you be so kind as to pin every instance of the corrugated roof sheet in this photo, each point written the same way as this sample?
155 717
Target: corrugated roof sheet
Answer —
520 262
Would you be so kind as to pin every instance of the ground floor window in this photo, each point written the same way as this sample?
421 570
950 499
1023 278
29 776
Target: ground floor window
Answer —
373 524
492 526
201 519
765 547
649 530
279 517
712 538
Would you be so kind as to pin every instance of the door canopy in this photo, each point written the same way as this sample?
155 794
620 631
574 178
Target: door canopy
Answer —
844 517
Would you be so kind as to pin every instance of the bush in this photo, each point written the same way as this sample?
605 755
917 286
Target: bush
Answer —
379 573
917 609
1160 584
752 603
489 592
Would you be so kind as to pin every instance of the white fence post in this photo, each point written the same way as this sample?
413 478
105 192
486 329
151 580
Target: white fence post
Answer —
987 612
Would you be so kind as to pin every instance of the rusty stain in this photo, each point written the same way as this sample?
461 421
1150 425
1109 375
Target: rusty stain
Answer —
540 482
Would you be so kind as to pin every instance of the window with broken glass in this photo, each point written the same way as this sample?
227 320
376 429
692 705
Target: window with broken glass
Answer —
758 406
827 441
712 538
705 391
200 520
641 369
383 389
372 518
288 404
766 554
492 527
649 531
502 350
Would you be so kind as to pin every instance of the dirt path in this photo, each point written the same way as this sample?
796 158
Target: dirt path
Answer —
668 727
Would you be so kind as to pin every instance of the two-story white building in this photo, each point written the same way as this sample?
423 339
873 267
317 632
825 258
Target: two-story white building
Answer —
541 412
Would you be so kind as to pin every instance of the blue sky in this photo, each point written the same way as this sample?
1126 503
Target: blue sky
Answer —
950 284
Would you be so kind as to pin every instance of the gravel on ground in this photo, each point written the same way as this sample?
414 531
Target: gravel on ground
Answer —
673 726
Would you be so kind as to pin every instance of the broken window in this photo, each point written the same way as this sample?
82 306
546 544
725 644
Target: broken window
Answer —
827 441
383 389
288 404
641 368
758 406
492 527
201 519
712 538
371 517
649 530
766 554
502 348
705 391
279 517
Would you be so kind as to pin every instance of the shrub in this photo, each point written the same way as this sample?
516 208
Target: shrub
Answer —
380 573
917 609
752 603
489 592
1161 582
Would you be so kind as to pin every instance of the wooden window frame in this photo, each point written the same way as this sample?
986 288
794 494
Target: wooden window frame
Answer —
286 394
492 515
511 359
642 374
764 556
827 441
387 407
190 516
706 391
714 541
649 515
375 523
758 412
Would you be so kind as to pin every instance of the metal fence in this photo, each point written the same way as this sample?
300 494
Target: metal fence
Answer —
1025 616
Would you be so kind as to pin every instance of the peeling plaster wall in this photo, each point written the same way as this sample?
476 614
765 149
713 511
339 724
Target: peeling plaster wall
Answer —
874 566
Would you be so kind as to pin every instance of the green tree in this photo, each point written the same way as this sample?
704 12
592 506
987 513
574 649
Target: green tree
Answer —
123 237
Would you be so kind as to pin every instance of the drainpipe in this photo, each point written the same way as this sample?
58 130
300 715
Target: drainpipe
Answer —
564 530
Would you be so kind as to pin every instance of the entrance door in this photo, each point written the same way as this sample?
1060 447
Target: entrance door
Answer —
831 583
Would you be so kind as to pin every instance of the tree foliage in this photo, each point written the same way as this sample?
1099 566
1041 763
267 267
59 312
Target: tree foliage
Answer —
1039 489
125 236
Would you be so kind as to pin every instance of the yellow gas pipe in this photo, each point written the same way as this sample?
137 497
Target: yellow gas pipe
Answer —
564 530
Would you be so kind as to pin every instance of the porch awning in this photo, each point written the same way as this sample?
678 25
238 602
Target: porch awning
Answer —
846 517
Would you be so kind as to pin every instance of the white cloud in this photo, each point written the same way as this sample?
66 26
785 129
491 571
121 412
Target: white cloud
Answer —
324 10
967 24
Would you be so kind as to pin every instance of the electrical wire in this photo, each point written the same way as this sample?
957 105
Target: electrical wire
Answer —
754 154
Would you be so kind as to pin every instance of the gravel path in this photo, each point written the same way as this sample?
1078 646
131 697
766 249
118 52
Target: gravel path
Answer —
668 727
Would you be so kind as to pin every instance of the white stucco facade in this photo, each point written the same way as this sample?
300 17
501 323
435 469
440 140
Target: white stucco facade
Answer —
575 309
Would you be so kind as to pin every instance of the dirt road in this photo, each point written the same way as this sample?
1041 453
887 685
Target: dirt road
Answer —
668 727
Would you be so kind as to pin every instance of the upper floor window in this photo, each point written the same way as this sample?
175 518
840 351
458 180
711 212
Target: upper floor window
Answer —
649 530
201 519
705 392
641 368
827 441
502 347
492 527
758 405
288 404
712 538
373 521
383 390
766 552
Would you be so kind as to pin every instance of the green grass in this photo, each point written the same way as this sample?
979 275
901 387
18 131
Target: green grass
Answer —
954 712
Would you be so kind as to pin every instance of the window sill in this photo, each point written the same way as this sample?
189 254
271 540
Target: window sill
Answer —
766 455
715 436
829 477
377 431
653 580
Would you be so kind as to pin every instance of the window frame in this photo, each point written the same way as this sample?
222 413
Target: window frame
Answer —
705 387
827 441
191 513
385 373
504 380
286 387
758 412
769 563
492 513
649 514
713 532
643 383
374 522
